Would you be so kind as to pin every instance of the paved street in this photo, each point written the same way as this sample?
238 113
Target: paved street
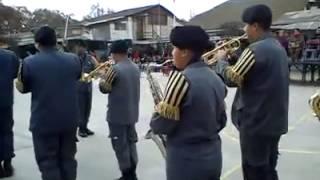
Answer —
299 159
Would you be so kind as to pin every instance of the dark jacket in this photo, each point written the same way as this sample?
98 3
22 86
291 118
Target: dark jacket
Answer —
88 65
261 102
202 111
192 125
9 65
52 78
124 93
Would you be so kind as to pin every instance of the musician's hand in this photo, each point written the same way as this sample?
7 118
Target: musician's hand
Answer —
221 55
156 108
101 72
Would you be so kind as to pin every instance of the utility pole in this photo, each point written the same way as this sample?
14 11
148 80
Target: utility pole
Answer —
66 28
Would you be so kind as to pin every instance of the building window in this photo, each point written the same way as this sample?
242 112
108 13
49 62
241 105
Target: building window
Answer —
120 26
155 19
76 32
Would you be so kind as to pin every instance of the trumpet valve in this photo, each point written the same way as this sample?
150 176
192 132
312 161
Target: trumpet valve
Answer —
85 77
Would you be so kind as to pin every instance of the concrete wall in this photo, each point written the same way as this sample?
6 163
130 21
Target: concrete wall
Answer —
107 31
100 32
122 34
160 30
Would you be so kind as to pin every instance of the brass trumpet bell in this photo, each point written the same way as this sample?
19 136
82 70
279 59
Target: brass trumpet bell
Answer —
96 73
230 46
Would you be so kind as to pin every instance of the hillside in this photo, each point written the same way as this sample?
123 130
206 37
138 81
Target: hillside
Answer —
231 11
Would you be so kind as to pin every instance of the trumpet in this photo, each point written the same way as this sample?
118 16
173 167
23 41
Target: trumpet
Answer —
314 103
87 77
231 46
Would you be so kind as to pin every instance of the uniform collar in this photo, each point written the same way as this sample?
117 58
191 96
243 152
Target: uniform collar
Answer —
264 36
125 60
194 63
52 49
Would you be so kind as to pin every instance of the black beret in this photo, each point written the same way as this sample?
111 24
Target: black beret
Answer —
119 47
190 37
260 14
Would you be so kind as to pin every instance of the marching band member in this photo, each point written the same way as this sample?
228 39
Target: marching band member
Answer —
122 83
88 63
51 77
192 113
260 108
9 65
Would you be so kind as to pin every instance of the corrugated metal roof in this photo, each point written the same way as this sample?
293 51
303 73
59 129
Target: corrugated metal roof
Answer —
126 13
122 13
103 20
231 11
301 25
299 16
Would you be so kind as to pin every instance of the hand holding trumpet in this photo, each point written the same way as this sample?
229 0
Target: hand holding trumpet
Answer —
222 51
96 73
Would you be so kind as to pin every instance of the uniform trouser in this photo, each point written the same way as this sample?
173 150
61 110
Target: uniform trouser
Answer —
85 101
194 161
55 155
123 140
6 133
259 156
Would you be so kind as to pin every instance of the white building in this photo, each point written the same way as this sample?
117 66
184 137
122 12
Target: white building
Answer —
141 25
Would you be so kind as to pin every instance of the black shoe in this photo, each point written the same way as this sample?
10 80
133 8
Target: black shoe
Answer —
122 178
8 168
2 173
125 176
133 175
89 132
83 134
128 177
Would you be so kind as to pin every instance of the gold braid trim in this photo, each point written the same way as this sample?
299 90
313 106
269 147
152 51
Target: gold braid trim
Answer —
176 90
234 76
168 111
108 86
237 72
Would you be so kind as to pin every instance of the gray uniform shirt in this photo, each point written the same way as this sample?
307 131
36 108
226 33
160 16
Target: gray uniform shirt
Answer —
123 80
202 111
262 76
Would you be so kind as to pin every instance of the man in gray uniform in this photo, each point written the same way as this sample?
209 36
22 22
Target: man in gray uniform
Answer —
192 113
260 107
9 65
88 63
122 82
51 77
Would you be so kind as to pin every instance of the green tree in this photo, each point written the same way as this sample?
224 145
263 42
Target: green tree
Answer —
42 17
11 20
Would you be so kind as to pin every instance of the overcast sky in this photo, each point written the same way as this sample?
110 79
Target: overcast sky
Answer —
80 8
